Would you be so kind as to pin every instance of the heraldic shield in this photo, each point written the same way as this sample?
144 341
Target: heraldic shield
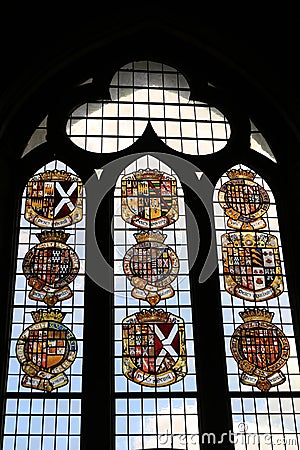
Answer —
154 351
151 266
149 199
45 350
54 199
261 349
243 200
50 266
251 264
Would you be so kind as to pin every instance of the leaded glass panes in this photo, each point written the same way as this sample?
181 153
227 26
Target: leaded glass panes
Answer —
47 315
266 423
146 91
42 424
154 349
257 316
162 422
155 395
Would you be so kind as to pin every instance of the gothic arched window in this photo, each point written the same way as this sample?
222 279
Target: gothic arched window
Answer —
154 350
259 335
47 314
150 305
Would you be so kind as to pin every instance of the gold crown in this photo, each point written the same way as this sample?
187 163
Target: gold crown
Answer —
148 174
152 236
241 173
152 315
53 235
54 175
256 314
48 314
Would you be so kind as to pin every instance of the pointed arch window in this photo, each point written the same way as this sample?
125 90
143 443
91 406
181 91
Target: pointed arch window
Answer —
155 375
47 314
257 317
149 400
142 92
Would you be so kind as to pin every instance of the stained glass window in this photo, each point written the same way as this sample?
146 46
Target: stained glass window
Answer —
160 294
155 378
257 317
47 314
145 91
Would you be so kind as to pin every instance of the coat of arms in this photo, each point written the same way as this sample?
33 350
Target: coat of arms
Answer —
45 350
151 266
244 200
154 352
260 348
149 199
50 267
54 199
251 264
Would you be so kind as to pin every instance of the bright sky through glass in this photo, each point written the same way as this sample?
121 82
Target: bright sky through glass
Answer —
31 422
154 422
271 421
143 92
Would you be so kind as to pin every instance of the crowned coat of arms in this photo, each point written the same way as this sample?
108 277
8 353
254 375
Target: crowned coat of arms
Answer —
251 264
149 199
45 350
50 267
54 199
260 348
154 352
